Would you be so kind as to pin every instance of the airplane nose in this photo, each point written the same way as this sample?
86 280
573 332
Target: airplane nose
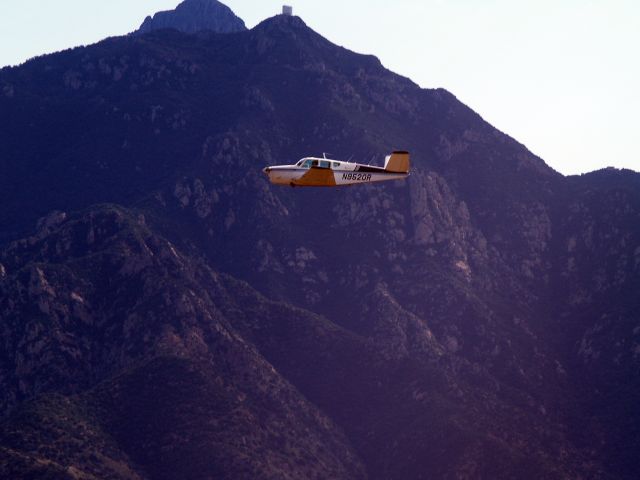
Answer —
266 170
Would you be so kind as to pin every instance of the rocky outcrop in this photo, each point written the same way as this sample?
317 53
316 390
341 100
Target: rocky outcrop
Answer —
193 16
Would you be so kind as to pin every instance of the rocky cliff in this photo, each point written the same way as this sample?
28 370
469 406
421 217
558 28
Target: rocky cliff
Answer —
193 16
478 320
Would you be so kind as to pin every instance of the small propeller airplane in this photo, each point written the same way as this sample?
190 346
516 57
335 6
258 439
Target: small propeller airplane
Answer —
324 172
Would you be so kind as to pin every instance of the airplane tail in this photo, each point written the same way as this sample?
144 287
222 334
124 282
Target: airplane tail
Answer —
397 162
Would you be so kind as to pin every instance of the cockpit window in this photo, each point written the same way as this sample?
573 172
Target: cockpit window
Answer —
336 164
312 162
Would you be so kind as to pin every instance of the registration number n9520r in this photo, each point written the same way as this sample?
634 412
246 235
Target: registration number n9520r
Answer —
358 177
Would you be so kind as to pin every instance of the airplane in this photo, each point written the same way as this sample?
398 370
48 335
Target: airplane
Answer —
325 172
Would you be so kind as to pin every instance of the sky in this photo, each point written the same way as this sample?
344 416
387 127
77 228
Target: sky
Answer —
562 77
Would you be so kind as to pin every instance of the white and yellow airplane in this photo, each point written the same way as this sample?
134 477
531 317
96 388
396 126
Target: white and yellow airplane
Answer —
324 172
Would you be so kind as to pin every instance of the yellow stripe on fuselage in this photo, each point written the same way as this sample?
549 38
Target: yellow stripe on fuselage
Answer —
317 177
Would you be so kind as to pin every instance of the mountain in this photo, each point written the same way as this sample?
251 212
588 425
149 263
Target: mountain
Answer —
167 313
170 389
193 16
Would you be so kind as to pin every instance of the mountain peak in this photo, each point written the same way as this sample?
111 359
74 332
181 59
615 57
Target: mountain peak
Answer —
193 16
280 21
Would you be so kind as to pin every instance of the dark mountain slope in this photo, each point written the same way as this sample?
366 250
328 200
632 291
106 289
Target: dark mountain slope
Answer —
597 255
431 327
177 388
57 437
168 369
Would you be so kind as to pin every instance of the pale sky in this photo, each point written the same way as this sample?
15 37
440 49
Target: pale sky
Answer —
561 77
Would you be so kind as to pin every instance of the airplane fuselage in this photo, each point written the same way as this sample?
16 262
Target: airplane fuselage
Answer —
324 172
